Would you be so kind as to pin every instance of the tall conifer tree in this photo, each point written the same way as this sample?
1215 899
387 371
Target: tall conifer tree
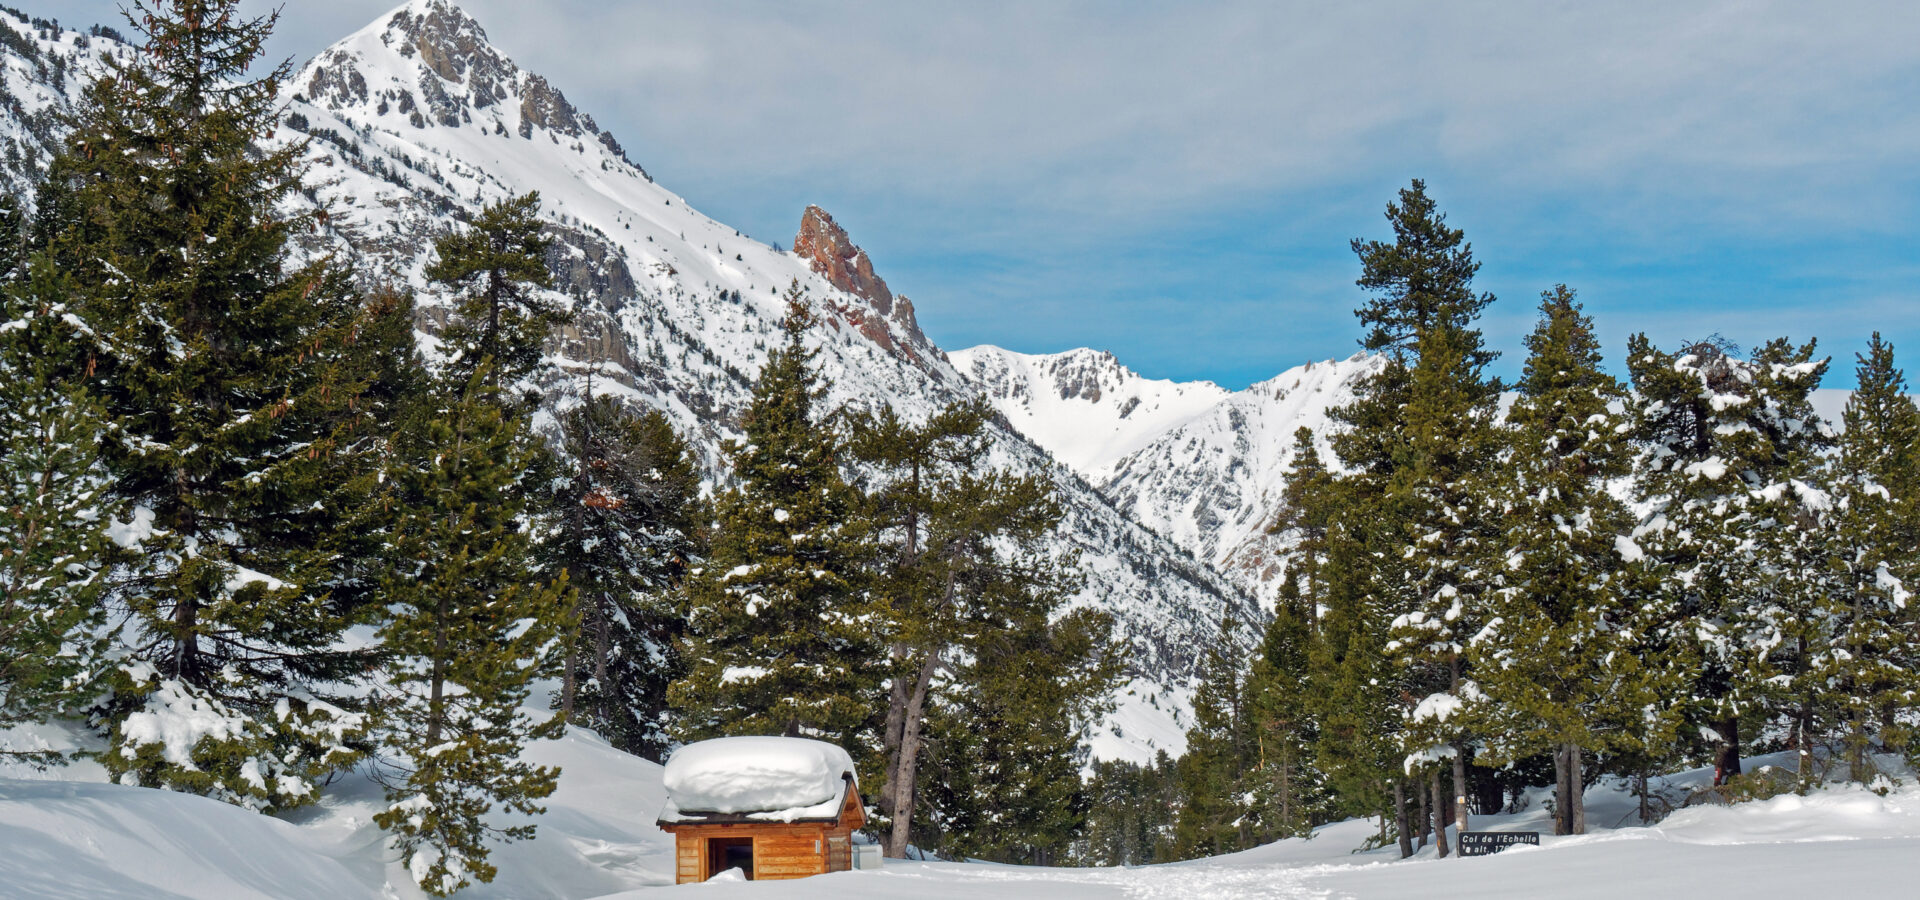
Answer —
1556 659
469 628
230 374
1726 476
961 568
623 530
1422 315
1870 666
783 637
501 320
56 521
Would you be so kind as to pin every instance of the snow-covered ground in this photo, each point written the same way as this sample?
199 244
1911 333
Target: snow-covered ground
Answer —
66 833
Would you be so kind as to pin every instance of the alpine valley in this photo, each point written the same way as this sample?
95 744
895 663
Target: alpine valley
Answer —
416 122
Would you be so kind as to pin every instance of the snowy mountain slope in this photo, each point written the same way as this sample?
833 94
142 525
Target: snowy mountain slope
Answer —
43 69
416 121
1083 406
1199 464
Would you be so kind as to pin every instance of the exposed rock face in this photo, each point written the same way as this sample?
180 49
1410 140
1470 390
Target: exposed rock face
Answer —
888 320
825 246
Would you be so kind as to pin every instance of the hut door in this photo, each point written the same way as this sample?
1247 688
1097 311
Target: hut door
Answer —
730 853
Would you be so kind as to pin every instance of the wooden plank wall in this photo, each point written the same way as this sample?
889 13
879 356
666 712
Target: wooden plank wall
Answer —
791 851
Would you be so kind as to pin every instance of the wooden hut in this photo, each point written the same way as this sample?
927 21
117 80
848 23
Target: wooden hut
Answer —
773 808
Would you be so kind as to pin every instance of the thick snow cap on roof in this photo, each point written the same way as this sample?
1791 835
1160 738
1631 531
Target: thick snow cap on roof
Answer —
774 778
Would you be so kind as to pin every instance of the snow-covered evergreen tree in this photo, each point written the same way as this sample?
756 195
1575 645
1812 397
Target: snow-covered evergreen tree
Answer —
622 522
1727 477
1423 312
1868 664
783 637
469 627
56 522
229 375
1556 660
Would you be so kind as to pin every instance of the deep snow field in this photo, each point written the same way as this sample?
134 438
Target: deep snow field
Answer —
65 833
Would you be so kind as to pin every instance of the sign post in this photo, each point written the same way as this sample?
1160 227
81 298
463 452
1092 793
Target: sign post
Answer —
1482 843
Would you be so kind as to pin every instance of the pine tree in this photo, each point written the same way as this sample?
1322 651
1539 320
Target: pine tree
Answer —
1130 813
1729 452
961 566
469 629
1005 753
1557 660
1287 789
230 376
783 638
624 520
1423 315
56 523
500 321
1868 666
1215 815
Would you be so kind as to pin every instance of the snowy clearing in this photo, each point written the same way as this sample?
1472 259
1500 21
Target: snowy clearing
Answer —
68 835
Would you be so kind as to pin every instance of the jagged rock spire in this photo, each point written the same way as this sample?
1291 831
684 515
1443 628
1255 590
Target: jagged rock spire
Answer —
827 249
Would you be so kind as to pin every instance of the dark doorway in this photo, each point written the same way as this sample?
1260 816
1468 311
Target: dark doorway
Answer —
730 853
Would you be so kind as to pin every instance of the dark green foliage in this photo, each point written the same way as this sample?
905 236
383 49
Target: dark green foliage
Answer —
55 521
1867 669
963 570
1287 790
1004 752
230 377
1558 661
500 321
1730 450
782 637
1130 814
1422 282
1216 774
622 526
469 628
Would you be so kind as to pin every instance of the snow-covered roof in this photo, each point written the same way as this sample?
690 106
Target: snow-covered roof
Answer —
773 779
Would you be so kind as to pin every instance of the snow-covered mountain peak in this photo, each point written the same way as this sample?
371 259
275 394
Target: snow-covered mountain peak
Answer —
1082 405
1197 463
430 64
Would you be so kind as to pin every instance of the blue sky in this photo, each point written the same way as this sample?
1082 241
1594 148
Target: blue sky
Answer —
1178 183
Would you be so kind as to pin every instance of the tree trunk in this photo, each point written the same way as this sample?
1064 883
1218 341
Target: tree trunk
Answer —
186 648
1576 791
1646 815
1439 815
1426 820
436 691
895 725
1726 763
602 654
569 683
1460 789
1400 817
1562 801
902 782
